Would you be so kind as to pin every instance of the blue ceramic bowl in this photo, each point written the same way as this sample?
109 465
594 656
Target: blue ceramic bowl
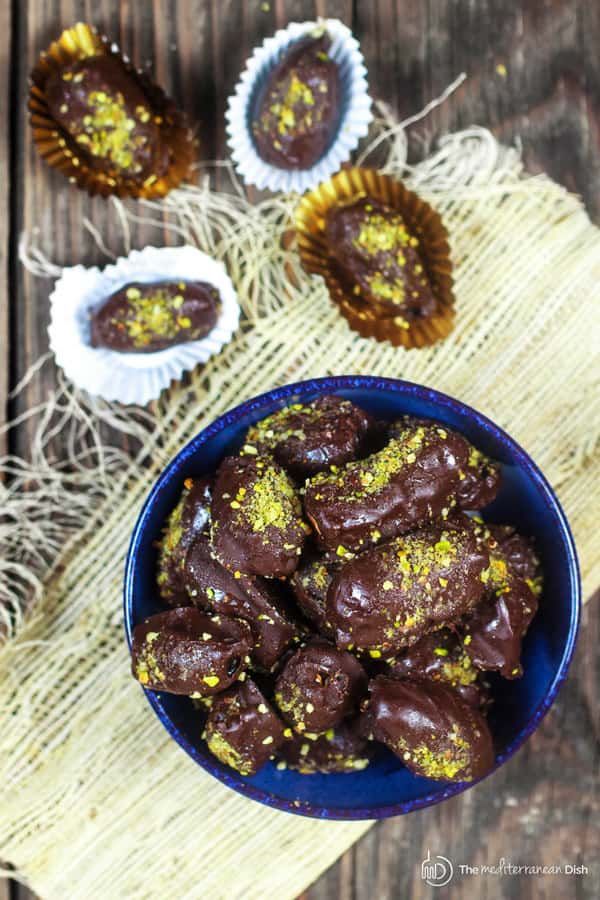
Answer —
526 500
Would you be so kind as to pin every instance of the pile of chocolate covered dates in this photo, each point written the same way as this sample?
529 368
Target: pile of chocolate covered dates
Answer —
332 586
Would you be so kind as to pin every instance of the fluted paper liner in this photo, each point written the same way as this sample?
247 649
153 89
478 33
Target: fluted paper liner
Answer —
134 377
61 152
370 319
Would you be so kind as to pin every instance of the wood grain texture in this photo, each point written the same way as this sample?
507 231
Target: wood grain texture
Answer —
534 77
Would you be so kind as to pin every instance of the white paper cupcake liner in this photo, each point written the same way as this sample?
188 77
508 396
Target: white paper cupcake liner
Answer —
133 377
355 114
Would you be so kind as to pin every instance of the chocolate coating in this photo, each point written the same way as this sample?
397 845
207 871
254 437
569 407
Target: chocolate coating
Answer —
308 438
481 482
257 526
339 749
242 730
493 634
144 318
440 656
259 602
318 686
517 551
379 260
430 728
107 115
297 110
412 480
310 583
184 651
189 518
390 596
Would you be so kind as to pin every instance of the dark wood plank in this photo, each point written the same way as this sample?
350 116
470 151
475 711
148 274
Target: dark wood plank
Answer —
5 201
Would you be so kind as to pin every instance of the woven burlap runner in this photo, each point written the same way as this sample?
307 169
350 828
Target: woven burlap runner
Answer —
96 802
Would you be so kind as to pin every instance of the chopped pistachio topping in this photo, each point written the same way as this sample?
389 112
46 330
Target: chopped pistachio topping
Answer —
109 132
227 754
383 234
151 315
270 501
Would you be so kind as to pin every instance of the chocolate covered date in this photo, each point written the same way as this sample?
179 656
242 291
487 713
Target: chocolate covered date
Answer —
297 110
106 113
379 260
339 749
310 583
144 318
306 438
440 656
318 686
257 525
494 632
188 520
261 603
412 480
242 729
430 728
390 596
184 651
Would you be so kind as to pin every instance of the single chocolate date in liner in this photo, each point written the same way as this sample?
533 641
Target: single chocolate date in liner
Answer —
378 259
188 520
390 596
318 686
261 603
145 318
297 110
103 109
430 728
242 729
257 525
338 750
308 438
184 651
415 478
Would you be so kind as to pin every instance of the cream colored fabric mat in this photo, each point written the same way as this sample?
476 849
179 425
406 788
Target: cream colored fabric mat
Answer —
96 802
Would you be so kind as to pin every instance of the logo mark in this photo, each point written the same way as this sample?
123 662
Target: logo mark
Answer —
436 871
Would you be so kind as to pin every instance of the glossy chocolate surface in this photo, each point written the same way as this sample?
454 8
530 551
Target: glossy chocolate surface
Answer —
310 583
308 438
261 603
412 480
390 596
318 686
379 259
339 749
145 318
440 656
185 651
104 110
257 525
494 633
242 729
188 520
430 728
297 110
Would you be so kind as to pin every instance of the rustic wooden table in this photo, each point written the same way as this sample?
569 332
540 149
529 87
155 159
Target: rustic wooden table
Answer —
534 76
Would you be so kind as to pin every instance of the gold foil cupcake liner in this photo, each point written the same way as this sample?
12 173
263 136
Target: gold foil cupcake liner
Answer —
62 152
371 319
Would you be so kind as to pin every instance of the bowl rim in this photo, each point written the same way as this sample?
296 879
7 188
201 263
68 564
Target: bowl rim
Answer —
331 384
